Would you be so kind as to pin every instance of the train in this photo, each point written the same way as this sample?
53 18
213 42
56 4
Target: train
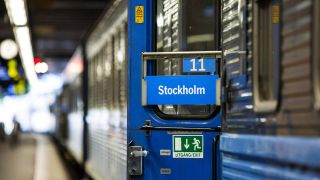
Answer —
198 89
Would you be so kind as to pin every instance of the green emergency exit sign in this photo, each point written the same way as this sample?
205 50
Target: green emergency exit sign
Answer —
187 146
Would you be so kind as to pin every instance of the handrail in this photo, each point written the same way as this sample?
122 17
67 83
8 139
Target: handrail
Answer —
179 54
167 55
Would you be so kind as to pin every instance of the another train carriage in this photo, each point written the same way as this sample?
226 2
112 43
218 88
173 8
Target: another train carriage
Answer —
271 102
106 50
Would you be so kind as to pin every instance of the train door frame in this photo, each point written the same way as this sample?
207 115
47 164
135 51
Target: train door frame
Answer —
150 137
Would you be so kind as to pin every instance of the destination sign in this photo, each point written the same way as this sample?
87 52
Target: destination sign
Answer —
197 89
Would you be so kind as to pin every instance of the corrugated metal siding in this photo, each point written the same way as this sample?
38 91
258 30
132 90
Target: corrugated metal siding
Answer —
107 116
297 94
269 157
237 32
107 148
296 70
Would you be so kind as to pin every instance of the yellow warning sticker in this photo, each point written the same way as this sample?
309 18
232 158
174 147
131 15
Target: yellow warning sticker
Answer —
275 14
139 14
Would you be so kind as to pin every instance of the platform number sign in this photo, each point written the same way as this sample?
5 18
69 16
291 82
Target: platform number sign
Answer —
187 146
198 65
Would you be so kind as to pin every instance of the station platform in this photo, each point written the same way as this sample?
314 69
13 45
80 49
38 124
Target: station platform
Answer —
32 157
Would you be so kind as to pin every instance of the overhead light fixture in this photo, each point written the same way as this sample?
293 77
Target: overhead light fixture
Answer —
8 49
41 67
17 12
22 35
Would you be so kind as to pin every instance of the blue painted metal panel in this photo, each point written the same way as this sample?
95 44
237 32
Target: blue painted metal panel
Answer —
299 150
269 157
199 89
140 40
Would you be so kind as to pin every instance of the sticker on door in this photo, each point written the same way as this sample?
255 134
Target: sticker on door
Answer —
187 146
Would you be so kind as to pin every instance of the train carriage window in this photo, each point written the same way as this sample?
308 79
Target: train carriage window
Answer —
115 71
108 74
91 81
316 54
265 55
103 84
118 65
90 84
98 78
123 69
96 90
191 25
92 74
101 76
94 82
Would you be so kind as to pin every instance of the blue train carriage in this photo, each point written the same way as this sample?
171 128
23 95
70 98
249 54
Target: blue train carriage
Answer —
174 114
106 49
271 89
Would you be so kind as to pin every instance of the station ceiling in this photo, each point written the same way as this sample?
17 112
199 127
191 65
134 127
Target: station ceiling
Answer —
57 27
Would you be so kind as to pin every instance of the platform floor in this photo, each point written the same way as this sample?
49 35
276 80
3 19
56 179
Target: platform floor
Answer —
33 157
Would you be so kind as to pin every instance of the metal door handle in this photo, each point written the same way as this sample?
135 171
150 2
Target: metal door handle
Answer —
143 153
135 160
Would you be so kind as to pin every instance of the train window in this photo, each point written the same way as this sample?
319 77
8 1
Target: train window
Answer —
96 90
99 71
122 61
191 25
91 84
108 74
103 84
265 55
316 54
116 70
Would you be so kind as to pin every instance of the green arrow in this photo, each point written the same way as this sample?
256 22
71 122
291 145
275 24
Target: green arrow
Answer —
186 145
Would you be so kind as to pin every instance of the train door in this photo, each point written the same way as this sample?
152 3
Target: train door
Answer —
174 90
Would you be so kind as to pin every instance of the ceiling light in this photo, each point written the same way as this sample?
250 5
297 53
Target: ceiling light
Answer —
17 12
8 49
41 67
22 35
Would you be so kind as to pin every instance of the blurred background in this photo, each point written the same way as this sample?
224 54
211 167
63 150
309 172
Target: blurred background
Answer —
39 53
38 39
